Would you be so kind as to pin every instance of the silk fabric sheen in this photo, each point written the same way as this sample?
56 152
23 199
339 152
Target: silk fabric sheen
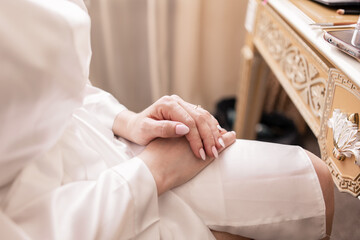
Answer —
63 175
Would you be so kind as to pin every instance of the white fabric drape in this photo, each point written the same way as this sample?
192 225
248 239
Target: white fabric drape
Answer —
63 174
157 47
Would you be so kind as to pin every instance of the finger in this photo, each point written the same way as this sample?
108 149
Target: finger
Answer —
193 108
167 129
214 125
229 138
221 130
206 135
172 110
207 127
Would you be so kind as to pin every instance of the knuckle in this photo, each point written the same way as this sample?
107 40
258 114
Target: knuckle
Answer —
142 125
214 120
215 133
176 97
163 131
165 98
195 140
166 103
209 138
172 105
208 114
200 119
145 126
190 122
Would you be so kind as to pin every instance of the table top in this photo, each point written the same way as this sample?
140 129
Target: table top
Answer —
300 13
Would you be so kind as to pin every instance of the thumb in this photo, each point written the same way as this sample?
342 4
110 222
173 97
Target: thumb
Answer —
229 138
169 129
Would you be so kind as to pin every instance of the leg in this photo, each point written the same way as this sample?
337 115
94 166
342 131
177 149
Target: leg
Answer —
327 188
261 191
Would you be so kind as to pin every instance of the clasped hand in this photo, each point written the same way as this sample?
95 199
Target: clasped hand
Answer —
170 117
173 161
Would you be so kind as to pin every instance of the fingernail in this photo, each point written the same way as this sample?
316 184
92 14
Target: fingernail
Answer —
221 141
219 127
202 154
181 129
233 132
215 152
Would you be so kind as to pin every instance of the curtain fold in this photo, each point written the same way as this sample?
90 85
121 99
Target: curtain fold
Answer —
159 40
144 49
120 62
207 41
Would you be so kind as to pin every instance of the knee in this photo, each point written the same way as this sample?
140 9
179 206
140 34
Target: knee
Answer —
327 187
322 172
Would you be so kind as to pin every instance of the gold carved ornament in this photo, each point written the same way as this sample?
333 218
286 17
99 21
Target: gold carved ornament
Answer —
346 135
302 74
345 181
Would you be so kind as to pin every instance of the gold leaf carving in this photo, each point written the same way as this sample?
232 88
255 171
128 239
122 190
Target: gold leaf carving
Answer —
297 69
344 183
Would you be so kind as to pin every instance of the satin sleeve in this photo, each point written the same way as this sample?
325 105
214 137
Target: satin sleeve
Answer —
44 61
120 204
101 105
10 230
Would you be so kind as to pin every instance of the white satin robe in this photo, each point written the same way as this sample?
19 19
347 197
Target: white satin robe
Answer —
64 176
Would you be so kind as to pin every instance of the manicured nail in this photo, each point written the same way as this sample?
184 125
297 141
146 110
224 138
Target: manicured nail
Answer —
215 152
181 129
221 141
219 127
202 154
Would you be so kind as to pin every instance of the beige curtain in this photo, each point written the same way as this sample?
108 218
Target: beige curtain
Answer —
120 62
143 49
207 42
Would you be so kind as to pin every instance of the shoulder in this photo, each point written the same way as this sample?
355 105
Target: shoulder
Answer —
39 27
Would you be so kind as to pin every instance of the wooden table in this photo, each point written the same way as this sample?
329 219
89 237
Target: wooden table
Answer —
317 77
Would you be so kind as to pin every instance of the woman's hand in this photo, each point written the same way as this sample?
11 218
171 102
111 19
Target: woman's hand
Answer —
170 117
172 162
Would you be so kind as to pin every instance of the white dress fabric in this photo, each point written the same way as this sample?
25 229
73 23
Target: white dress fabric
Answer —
63 174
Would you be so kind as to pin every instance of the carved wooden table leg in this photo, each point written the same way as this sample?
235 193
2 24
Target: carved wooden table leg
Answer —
251 92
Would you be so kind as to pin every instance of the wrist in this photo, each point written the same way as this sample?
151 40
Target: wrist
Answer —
122 124
162 182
